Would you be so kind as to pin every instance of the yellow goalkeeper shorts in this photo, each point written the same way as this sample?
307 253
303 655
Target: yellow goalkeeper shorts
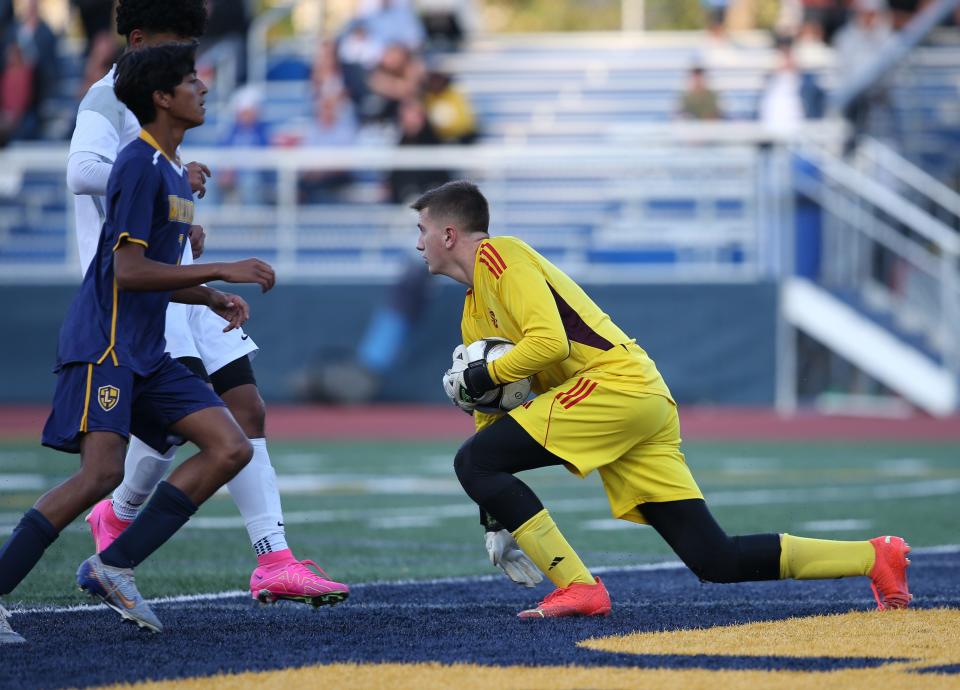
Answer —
631 438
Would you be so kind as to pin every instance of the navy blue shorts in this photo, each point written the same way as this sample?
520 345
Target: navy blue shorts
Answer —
104 397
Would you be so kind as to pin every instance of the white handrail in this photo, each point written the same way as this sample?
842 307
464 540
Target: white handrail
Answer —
892 163
257 52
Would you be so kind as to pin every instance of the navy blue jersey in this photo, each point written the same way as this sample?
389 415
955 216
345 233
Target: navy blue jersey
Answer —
148 202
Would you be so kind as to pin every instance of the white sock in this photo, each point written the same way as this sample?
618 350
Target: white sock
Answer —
255 492
142 471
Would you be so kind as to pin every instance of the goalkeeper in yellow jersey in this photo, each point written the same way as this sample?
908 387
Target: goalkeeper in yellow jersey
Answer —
601 405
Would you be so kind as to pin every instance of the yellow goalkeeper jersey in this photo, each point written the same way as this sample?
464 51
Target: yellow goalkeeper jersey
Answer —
558 330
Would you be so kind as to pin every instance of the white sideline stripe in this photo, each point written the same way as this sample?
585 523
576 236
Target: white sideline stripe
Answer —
242 593
944 487
375 518
835 525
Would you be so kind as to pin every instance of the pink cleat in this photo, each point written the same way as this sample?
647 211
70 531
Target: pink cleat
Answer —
104 524
294 581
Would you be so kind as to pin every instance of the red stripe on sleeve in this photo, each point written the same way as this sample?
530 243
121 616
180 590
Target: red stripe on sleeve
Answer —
494 271
496 256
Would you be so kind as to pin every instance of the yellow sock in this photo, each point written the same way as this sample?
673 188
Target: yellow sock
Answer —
541 540
823 559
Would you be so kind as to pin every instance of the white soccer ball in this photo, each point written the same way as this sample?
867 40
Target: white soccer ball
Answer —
502 398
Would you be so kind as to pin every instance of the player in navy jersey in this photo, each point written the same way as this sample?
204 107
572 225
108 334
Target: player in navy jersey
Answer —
114 377
194 334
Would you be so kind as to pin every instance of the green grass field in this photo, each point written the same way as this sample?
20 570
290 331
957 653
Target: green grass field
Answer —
393 510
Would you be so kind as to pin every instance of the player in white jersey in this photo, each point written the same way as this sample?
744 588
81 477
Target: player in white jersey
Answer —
194 335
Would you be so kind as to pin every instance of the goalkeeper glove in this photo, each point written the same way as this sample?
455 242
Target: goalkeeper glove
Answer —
465 382
510 558
506 554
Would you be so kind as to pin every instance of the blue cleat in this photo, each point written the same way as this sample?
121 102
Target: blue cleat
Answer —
7 634
116 588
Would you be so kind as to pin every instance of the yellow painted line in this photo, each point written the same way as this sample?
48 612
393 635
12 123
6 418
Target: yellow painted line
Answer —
926 637
471 677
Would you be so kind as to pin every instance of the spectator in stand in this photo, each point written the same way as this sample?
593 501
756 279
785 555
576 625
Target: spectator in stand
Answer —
398 77
38 49
448 22
96 16
449 110
327 75
227 25
857 44
358 54
415 130
902 11
716 12
334 125
393 21
16 93
248 130
698 101
790 96
104 52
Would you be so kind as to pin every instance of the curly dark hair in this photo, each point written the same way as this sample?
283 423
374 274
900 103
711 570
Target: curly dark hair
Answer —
142 72
184 18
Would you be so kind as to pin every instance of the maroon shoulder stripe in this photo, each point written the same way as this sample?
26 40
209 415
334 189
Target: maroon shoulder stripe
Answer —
496 255
484 253
495 271
580 398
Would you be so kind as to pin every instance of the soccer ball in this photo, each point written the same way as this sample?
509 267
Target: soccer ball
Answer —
509 395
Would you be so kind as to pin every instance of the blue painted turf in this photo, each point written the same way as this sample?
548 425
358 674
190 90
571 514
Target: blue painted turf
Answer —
470 621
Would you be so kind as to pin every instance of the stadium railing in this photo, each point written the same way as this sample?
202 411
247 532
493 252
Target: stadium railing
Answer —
693 202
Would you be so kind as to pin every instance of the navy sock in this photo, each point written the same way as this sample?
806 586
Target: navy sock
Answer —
165 513
24 548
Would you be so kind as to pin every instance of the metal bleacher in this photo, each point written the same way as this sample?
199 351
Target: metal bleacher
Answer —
580 155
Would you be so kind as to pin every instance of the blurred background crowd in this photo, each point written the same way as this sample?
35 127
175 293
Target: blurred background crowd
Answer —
808 148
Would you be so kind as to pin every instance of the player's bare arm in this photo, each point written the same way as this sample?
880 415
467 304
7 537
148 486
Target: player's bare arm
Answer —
138 273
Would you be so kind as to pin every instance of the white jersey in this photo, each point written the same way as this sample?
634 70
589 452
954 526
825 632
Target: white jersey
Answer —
104 127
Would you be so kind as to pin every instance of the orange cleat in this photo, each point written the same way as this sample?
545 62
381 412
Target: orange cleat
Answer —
576 600
889 573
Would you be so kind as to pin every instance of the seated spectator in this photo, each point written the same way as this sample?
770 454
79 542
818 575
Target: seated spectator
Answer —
415 130
245 186
358 53
448 22
393 21
334 125
398 77
857 44
96 16
449 110
698 102
16 93
227 26
104 51
38 49
716 11
789 97
326 75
